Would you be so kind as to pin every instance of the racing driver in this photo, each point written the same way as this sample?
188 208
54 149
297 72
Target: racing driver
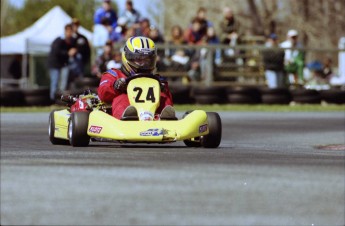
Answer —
139 56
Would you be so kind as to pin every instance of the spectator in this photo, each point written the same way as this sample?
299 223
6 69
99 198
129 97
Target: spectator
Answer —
319 73
208 57
157 38
294 58
82 58
274 63
132 15
119 33
193 34
204 23
61 50
155 35
106 12
229 27
102 61
116 62
212 39
177 59
144 29
101 34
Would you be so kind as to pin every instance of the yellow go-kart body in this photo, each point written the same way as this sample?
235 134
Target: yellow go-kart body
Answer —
144 94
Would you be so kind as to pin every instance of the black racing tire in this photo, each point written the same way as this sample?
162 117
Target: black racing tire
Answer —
305 96
303 92
192 143
181 94
275 91
77 129
275 99
307 99
213 139
243 99
241 90
51 131
208 99
37 97
12 97
209 91
333 96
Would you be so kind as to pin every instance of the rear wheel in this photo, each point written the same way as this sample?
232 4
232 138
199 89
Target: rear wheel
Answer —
77 129
51 131
212 140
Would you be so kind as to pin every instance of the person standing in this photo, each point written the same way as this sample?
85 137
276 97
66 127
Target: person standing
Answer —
229 28
132 15
82 58
61 50
274 63
294 58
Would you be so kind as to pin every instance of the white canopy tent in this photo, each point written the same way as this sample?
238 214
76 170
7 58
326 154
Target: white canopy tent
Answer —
35 39
38 37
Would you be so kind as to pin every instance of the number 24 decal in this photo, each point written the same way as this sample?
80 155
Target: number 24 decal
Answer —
149 97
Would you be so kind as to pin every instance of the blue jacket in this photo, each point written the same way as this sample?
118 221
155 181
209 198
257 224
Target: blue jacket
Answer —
110 15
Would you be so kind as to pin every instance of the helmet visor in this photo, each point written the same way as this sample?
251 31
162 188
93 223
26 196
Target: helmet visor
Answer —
144 61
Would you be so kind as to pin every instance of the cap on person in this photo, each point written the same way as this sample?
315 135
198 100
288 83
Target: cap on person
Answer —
107 1
292 33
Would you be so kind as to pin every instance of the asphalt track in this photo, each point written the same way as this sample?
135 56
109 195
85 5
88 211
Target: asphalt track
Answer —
267 171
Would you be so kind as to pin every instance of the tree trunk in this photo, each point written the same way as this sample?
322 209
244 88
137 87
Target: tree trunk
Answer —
256 18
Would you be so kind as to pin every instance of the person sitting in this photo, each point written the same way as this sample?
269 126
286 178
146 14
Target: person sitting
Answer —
177 58
139 56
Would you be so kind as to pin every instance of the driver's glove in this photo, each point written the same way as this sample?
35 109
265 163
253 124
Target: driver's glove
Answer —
120 85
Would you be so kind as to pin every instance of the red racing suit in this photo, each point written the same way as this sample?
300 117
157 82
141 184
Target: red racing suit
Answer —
119 100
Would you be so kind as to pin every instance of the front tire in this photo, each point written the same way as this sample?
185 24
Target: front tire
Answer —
51 131
212 140
77 129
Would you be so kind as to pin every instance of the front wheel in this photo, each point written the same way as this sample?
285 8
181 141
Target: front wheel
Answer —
213 138
77 129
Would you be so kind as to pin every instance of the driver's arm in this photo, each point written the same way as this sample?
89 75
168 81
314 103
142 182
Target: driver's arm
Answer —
106 90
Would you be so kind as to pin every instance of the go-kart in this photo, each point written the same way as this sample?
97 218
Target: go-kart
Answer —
87 118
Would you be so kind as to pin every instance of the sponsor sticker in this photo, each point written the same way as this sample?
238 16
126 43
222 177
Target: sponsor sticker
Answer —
95 129
151 132
203 128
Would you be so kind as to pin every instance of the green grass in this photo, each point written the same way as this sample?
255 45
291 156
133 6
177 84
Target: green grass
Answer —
215 107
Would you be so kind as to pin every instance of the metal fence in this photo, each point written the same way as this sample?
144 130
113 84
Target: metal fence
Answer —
219 65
